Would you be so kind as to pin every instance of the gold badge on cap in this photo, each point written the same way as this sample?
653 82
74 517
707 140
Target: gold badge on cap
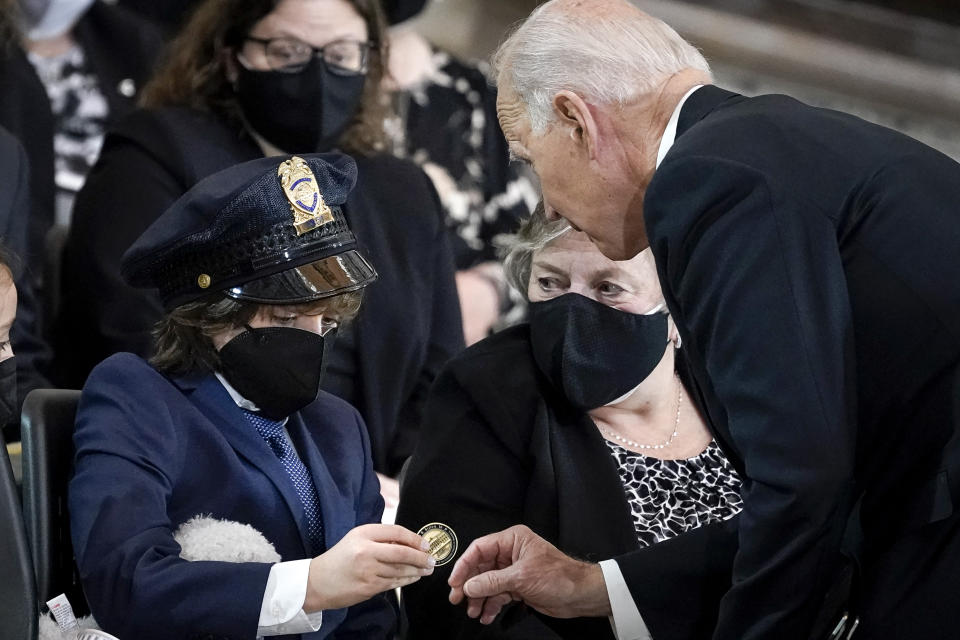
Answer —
306 203
442 540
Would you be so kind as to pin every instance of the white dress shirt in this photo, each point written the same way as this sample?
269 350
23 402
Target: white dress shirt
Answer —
626 620
281 611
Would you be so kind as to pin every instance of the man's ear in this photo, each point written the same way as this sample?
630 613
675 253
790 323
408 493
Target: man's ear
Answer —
572 111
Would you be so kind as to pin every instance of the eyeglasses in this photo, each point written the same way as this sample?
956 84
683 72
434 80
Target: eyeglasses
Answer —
345 57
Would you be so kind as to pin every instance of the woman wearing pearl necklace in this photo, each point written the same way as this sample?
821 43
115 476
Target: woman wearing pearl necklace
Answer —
577 424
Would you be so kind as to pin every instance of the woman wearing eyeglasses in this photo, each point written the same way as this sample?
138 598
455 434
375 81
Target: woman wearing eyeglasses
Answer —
253 78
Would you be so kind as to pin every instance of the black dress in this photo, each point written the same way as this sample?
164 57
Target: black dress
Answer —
409 324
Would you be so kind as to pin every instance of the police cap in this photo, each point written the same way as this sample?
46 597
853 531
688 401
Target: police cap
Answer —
270 231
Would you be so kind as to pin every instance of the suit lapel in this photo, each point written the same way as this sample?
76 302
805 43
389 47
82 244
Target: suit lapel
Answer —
575 497
214 401
594 515
333 504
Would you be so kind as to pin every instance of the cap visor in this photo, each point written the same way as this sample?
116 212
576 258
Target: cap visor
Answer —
347 271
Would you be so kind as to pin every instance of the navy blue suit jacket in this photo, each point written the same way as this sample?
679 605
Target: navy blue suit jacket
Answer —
153 452
810 261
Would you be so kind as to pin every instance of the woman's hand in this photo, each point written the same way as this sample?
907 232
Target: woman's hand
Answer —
370 559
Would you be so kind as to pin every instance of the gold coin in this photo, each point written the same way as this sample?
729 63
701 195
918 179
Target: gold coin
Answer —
442 539
203 280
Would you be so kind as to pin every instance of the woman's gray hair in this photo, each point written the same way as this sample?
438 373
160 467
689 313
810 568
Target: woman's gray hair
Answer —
610 59
517 250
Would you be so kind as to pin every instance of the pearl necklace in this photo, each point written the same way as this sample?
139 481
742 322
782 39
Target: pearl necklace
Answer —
667 442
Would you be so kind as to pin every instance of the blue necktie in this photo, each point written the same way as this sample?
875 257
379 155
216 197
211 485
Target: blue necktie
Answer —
273 433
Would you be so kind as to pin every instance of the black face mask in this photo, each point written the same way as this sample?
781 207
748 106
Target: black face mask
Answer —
299 112
277 368
8 391
592 353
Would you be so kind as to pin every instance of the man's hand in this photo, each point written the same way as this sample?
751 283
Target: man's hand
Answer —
517 564
370 559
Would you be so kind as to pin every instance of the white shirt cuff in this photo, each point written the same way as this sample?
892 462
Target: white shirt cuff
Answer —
626 621
282 609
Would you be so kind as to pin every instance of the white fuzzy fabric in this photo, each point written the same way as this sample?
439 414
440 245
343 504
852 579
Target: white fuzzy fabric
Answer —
206 538
50 631
200 538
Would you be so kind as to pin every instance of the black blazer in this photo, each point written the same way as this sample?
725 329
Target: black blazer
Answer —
31 351
500 448
810 261
121 49
410 321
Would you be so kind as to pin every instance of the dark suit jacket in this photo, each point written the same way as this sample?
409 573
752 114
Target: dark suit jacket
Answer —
31 350
121 48
410 321
500 448
153 452
810 261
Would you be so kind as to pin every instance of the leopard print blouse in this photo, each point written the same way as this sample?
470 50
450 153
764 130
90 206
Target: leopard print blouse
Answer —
669 497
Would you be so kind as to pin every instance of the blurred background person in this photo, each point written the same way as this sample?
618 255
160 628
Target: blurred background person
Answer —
446 122
20 375
578 425
25 113
257 269
92 59
247 79
66 69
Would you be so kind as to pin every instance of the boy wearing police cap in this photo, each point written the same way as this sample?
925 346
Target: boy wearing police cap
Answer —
256 267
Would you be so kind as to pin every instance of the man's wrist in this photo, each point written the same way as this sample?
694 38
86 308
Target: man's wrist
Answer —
593 600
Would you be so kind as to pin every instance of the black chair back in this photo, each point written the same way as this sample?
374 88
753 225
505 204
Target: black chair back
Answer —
18 588
47 428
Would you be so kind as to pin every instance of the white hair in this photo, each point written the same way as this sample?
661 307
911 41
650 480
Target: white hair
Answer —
608 59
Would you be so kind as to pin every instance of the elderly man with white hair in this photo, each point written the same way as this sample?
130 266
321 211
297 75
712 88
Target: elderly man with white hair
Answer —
810 260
